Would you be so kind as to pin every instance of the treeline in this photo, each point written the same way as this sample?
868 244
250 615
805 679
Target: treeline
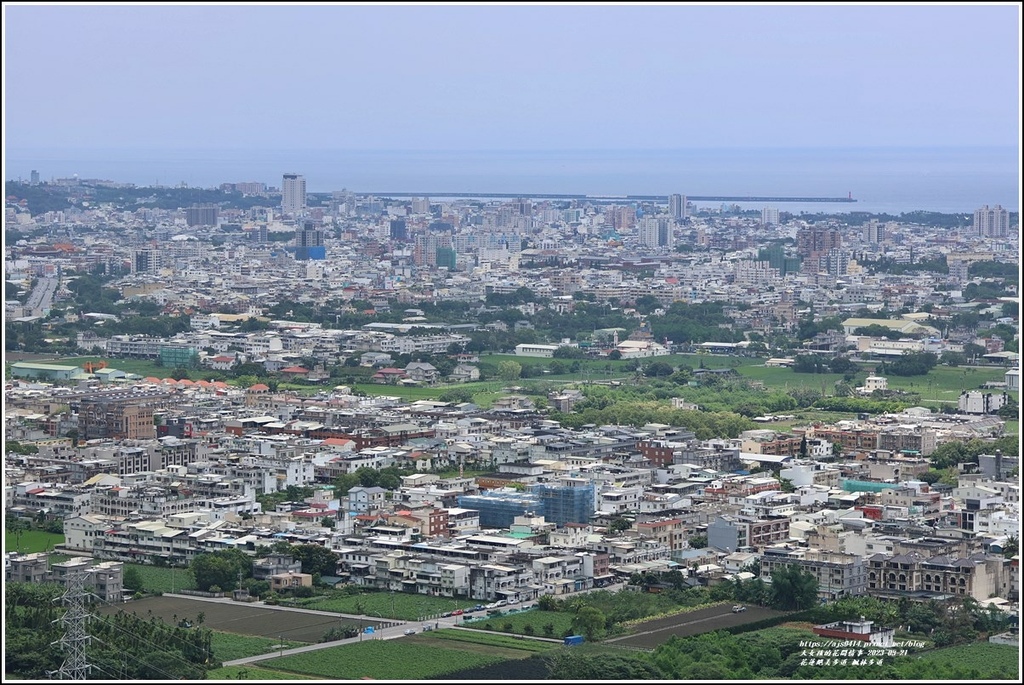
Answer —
123 646
45 197
755 651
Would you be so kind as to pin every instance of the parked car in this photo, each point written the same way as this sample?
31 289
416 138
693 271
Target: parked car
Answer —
410 631
738 608
457 612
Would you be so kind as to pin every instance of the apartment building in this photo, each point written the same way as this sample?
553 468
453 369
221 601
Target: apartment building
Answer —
838 574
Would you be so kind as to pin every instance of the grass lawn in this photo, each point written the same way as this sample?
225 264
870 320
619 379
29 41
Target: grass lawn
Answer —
253 673
143 367
778 378
230 646
945 383
561 623
386 605
164 578
1012 428
28 541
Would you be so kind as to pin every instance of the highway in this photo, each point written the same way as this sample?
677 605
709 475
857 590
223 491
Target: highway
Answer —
41 297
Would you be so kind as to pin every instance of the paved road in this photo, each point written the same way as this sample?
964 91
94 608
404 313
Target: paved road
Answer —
41 297
386 633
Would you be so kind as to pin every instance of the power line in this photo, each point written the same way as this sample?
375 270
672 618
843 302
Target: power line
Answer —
75 639
147 665
155 646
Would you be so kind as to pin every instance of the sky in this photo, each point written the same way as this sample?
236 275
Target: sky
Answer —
510 76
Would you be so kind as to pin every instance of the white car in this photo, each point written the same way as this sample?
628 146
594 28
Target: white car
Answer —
410 631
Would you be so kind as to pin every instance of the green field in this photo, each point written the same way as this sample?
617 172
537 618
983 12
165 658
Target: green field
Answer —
778 378
386 605
986 660
164 578
494 640
143 367
28 541
230 646
400 659
561 623
945 383
253 673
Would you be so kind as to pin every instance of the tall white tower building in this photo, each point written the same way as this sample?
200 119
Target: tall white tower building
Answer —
293 194
991 223
677 206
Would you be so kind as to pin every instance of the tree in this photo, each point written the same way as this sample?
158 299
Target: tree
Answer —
589 621
953 358
913 364
793 588
179 373
132 579
316 559
698 541
1012 546
509 370
658 369
619 525
220 569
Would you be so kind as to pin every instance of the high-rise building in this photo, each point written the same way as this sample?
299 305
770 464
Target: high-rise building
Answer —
251 188
293 194
429 246
874 232
309 242
991 223
420 205
770 216
656 232
145 261
813 242
399 230
836 262
35 177
677 206
202 215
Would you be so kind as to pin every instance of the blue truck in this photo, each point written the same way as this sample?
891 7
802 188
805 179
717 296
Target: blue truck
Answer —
573 640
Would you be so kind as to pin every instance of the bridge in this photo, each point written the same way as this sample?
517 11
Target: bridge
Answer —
613 198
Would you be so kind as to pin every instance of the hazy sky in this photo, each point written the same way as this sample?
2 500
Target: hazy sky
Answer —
510 76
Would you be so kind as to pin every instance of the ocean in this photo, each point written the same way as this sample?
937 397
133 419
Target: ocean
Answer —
891 179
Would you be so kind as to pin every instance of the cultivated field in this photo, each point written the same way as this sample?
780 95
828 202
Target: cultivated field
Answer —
650 634
253 673
989 660
409 658
399 605
295 626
